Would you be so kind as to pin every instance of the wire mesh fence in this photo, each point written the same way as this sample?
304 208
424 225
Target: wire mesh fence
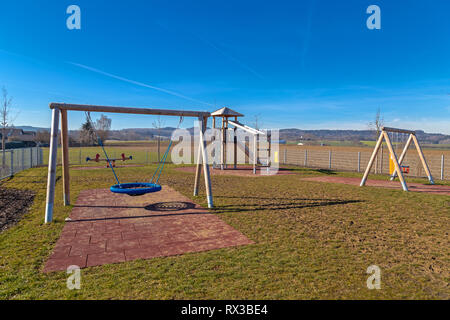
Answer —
357 161
354 159
13 161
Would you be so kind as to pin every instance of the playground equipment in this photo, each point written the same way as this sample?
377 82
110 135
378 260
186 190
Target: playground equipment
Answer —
113 161
135 188
259 144
399 170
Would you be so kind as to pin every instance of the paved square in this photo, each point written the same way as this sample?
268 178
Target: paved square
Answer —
109 228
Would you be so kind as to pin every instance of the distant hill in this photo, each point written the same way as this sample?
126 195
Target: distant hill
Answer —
286 134
31 128
291 134
353 135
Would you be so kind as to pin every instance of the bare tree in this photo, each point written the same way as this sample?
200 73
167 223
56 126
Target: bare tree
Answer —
378 123
258 123
87 134
103 127
158 124
6 120
376 126
42 137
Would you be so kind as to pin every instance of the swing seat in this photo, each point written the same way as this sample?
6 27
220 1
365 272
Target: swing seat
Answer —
135 189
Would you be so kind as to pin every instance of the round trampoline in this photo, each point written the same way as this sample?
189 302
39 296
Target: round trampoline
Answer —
135 189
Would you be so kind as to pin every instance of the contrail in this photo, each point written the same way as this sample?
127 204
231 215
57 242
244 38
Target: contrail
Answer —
215 47
229 56
172 93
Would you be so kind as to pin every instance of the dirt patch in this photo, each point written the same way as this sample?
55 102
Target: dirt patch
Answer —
14 203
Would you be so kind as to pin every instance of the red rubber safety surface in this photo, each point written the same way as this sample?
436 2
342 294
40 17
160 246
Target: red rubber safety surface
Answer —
110 228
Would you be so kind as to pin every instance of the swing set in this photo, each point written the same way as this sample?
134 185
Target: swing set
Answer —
137 188
398 169
132 189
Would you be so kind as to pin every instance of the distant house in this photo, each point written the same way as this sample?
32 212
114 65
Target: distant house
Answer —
19 135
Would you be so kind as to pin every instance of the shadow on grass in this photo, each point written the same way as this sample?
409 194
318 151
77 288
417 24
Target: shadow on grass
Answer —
283 205
326 171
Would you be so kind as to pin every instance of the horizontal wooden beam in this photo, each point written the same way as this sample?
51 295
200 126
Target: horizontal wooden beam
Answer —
388 129
161 112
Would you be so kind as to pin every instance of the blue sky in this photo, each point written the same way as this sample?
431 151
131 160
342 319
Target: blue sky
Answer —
306 64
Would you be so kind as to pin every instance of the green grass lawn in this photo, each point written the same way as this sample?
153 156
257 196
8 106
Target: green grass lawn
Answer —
312 241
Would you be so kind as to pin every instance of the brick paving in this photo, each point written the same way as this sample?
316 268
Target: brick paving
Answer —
110 228
415 187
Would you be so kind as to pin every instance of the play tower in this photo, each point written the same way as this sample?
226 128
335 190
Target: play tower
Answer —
261 145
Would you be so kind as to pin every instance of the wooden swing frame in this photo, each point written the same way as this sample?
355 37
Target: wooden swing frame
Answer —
62 108
384 135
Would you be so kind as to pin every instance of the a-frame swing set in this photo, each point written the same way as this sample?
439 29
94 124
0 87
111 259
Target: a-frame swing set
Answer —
384 135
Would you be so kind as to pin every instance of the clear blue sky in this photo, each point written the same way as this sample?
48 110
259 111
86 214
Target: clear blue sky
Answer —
305 64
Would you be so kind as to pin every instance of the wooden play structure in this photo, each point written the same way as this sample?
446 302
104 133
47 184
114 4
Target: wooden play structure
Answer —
109 160
261 140
62 109
399 170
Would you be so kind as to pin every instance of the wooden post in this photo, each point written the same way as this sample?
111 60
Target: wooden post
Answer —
198 169
397 165
65 157
402 156
372 159
422 158
52 166
222 148
255 152
442 167
209 196
235 147
381 160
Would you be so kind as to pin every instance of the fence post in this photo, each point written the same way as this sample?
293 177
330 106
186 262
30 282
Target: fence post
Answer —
359 161
31 157
442 167
285 155
12 163
329 160
23 158
306 157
